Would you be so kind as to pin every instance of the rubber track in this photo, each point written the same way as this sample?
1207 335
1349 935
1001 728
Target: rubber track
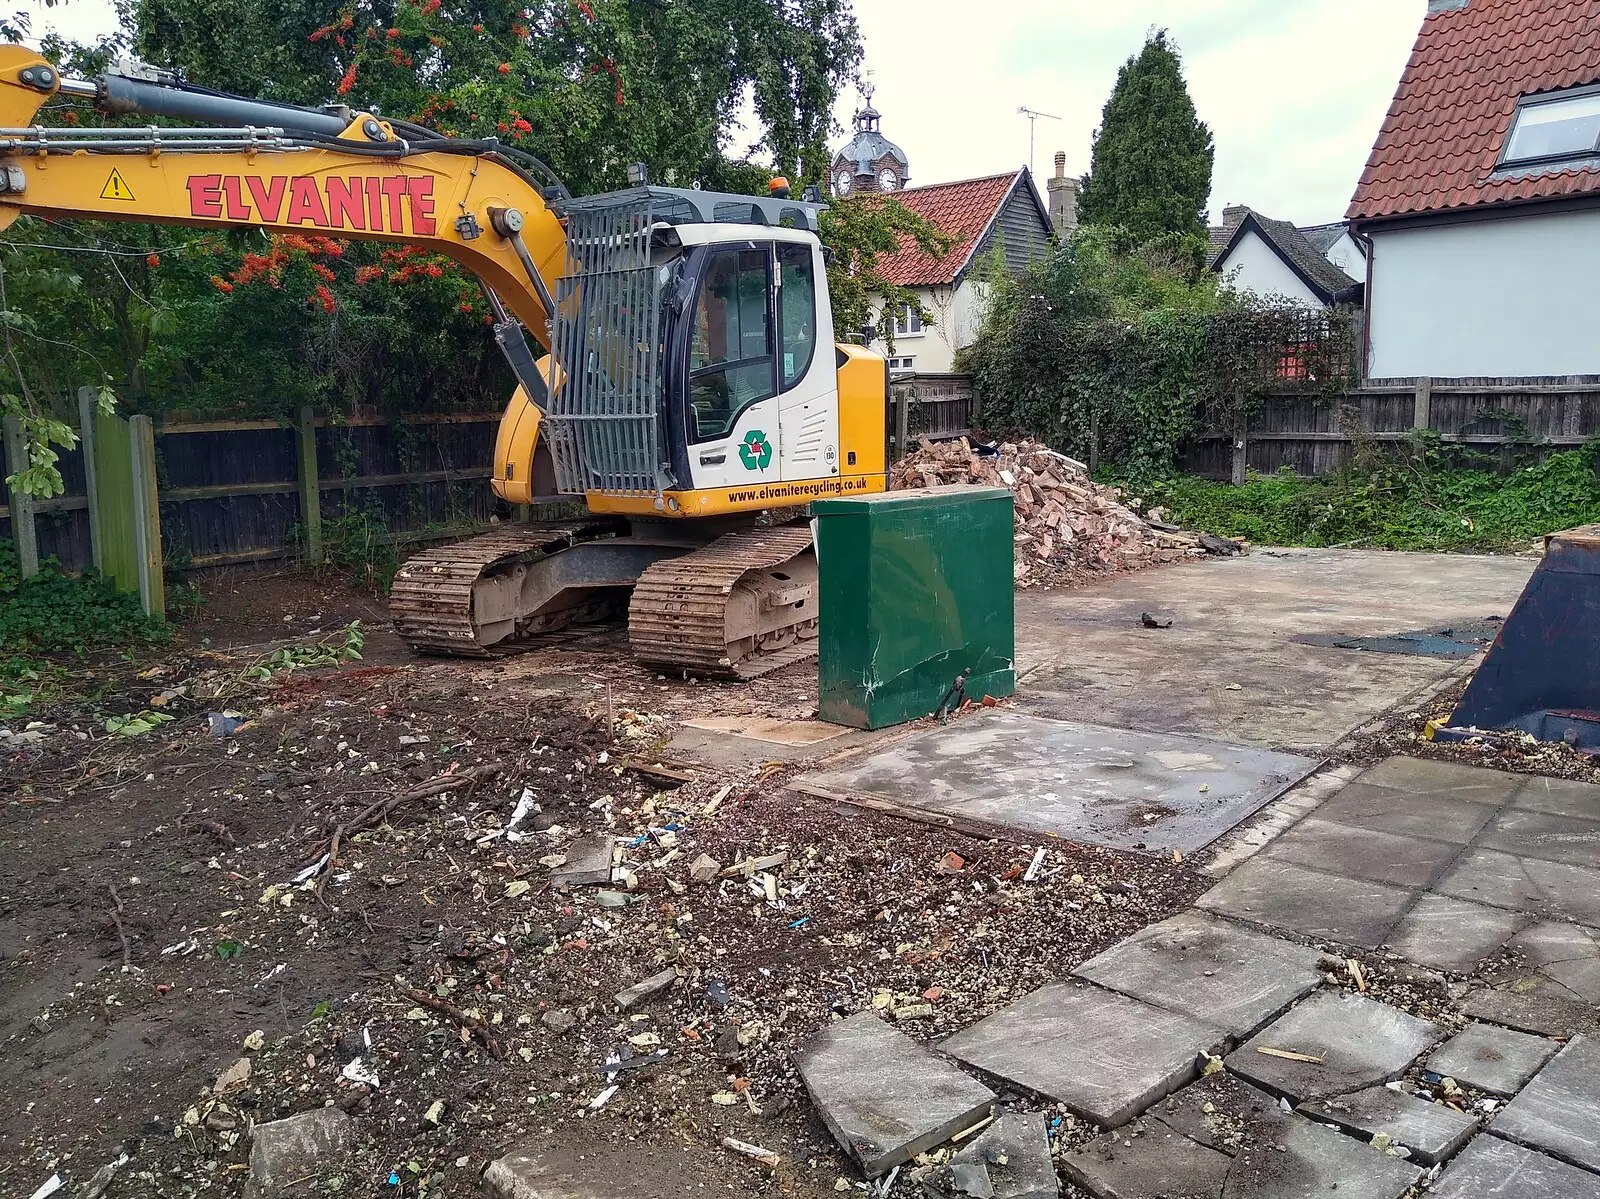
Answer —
431 599
678 615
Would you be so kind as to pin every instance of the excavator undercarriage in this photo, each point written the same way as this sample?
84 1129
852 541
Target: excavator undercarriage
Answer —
739 607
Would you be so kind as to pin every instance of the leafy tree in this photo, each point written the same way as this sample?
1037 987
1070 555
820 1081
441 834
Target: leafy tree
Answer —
1151 169
861 230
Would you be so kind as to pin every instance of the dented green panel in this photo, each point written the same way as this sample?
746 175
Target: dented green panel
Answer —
916 587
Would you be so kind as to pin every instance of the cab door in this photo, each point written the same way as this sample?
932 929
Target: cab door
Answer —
731 393
808 384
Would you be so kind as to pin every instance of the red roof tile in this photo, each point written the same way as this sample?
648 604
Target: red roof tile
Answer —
962 210
1453 110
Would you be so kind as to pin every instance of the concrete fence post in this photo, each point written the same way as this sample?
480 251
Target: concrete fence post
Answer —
23 532
88 405
1422 411
310 491
1241 450
146 516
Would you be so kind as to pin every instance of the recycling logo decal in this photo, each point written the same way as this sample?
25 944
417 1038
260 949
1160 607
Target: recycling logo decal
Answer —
755 451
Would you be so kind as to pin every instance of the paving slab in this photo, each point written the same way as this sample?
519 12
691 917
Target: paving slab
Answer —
1362 853
1103 1055
1559 1111
1452 934
1314 903
1147 1160
1559 797
1492 1059
1551 889
1223 1112
588 861
1310 1160
1554 838
1431 1131
1439 817
1490 1168
883 1096
1452 779
1361 1043
1533 1004
1009 1160
1209 969
1568 955
286 1154
1083 782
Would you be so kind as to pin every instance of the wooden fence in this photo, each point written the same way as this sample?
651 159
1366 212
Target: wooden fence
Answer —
233 492
1314 436
936 406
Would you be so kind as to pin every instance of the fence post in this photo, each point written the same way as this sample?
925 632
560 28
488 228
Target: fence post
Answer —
310 491
22 530
1422 413
88 404
146 516
902 420
1241 450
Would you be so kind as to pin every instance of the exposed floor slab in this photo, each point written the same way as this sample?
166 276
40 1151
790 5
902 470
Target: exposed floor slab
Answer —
1009 1160
1490 1168
1566 955
1221 1111
1554 838
1497 1060
1147 1160
883 1096
1103 1055
1209 969
1310 902
1363 853
1234 621
1083 782
1431 1131
1357 1043
1417 814
1533 1005
1558 797
1453 780
1311 1160
1550 889
1559 1111
1452 934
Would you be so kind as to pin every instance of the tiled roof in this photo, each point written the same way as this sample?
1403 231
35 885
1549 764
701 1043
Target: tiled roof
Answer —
963 210
1453 110
1294 248
1323 237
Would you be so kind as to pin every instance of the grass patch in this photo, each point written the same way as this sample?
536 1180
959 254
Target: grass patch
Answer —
1397 505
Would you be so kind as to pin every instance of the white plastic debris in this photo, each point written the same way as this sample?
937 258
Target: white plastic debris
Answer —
48 1187
525 807
603 1098
358 1071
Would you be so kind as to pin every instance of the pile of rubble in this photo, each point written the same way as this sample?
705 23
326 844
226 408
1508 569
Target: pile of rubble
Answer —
1068 526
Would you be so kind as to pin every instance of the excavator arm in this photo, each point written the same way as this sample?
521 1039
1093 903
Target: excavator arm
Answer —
288 170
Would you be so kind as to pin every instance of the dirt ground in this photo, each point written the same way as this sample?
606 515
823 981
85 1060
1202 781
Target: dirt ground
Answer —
429 979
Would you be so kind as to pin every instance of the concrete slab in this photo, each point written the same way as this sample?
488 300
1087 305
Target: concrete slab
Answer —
1103 1055
1491 1059
1310 1160
1282 895
1452 934
1413 814
1559 797
1360 1042
883 1096
1544 835
1453 780
588 861
1550 889
1431 1131
1147 1160
1082 782
1533 1004
1490 1168
1222 1112
1209 969
1009 1160
1568 955
1362 853
713 747
769 729
1559 1111
1234 621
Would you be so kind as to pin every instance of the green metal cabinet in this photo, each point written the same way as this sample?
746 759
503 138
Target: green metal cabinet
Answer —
916 587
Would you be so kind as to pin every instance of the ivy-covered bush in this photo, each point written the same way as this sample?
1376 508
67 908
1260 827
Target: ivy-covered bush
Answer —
1119 353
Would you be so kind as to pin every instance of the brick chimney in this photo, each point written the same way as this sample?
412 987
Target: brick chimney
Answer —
1233 215
1063 191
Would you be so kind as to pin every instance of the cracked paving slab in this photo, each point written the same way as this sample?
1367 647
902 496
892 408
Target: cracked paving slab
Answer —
1559 1111
1497 1060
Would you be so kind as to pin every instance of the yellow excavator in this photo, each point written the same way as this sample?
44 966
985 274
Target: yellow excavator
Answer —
689 380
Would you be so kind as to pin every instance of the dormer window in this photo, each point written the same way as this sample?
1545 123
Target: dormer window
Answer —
1554 127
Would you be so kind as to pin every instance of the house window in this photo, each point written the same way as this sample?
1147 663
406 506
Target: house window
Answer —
902 364
907 322
1555 127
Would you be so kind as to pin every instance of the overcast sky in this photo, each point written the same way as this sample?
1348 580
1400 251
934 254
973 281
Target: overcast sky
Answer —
1294 90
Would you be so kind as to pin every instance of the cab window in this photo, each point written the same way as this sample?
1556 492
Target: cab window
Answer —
731 356
797 324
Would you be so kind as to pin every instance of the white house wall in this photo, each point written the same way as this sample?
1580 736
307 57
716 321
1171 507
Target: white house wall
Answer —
1255 267
1347 256
956 314
1514 296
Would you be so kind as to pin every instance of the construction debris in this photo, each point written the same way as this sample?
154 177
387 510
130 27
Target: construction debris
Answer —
1067 525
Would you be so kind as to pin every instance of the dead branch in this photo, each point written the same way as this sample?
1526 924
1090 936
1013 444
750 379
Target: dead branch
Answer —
116 918
378 812
460 1017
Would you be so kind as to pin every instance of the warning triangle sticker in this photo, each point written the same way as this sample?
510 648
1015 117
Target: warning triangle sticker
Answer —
116 188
